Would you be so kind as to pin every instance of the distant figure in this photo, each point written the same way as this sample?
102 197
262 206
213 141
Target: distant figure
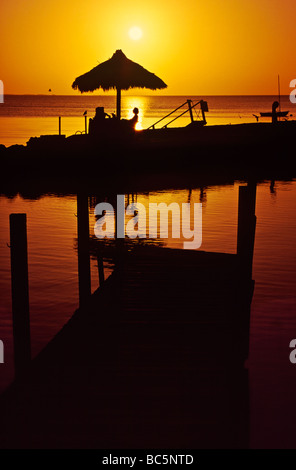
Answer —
275 105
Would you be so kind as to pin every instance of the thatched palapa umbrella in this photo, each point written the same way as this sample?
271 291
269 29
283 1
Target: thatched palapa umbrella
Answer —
120 73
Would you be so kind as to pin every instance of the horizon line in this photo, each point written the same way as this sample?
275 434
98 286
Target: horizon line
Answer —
153 95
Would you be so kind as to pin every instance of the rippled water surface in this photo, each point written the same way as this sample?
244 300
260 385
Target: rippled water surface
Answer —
52 238
25 116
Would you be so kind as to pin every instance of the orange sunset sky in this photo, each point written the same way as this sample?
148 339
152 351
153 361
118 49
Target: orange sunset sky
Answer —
197 47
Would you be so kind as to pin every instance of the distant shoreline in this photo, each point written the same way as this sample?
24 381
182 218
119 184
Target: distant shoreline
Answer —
134 94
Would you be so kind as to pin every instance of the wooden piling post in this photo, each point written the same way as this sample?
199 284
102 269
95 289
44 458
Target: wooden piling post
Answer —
83 249
245 250
85 123
246 227
60 125
20 292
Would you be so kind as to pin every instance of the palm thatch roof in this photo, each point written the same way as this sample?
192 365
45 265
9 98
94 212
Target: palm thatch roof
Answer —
120 73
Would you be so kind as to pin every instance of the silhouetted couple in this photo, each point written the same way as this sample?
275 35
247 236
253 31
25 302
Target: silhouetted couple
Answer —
103 121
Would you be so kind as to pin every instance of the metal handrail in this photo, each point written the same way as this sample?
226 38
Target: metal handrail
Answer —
153 125
172 112
186 111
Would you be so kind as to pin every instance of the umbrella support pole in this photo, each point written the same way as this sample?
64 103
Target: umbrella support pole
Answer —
118 103
20 292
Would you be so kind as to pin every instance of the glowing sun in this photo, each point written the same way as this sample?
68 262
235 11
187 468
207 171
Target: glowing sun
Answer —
135 33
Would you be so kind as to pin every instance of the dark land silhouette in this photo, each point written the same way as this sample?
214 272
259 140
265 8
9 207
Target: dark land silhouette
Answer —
259 150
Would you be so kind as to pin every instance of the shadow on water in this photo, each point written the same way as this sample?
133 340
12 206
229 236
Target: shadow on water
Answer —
100 189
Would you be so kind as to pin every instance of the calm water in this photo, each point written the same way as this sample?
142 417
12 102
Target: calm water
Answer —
53 259
53 285
22 117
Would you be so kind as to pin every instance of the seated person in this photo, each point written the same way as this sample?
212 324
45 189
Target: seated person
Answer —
98 121
129 124
135 118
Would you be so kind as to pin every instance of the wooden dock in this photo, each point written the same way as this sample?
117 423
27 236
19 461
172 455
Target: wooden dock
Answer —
260 150
154 359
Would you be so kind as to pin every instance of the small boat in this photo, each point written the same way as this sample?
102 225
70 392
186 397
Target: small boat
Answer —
278 114
274 114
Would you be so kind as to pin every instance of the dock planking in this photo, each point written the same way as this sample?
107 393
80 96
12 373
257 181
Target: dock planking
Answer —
154 359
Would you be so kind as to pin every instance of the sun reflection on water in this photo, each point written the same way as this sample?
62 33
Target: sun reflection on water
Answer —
139 102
